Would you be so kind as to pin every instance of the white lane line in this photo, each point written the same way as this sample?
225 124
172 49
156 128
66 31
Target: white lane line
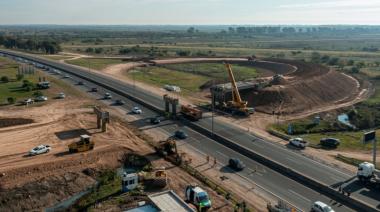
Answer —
222 154
291 159
299 195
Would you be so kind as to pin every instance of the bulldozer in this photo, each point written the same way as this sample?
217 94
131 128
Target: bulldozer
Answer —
191 112
168 149
84 144
236 105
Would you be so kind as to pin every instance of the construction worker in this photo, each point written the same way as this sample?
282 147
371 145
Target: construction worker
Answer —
208 158
214 162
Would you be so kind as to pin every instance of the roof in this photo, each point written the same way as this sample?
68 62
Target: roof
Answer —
198 190
168 201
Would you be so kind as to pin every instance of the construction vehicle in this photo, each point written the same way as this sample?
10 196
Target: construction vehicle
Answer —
191 112
168 149
368 174
236 105
84 144
156 179
198 197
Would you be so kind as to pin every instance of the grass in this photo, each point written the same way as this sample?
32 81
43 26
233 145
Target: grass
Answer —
95 63
215 70
13 88
109 184
351 161
348 140
161 76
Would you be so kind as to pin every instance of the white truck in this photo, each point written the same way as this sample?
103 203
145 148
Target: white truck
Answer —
368 174
198 197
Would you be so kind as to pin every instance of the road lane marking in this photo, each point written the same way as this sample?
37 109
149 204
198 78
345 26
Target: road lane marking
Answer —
299 195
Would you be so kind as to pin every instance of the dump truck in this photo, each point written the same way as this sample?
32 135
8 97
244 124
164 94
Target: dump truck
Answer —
198 197
191 112
84 144
368 174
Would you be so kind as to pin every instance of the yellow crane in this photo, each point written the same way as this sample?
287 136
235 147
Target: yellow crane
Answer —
237 104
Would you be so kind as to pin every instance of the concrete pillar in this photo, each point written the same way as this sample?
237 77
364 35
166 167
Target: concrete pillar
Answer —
167 106
104 125
98 122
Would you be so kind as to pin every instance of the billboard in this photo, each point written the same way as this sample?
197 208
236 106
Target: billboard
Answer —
369 137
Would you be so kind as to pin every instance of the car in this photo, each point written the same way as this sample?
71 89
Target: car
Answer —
119 102
236 164
80 83
298 142
136 110
66 76
61 96
28 101
155 120
39 150
41 98
330 142
94 89
319 206
107 96
180 134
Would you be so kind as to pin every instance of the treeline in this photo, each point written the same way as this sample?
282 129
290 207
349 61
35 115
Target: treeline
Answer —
45 46
262 30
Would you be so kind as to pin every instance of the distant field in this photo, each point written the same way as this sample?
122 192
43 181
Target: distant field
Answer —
95 63
215 70
161 76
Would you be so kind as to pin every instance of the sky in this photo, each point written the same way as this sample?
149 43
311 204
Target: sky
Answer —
189 12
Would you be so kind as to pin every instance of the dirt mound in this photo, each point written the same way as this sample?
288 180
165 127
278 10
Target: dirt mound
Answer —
7 122
311 86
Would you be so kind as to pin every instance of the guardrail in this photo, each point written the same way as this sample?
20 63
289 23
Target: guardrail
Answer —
314 184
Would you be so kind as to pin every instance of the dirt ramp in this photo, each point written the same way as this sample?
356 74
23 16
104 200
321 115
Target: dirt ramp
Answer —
311 86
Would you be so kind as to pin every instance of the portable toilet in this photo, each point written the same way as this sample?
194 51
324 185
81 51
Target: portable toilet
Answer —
129 182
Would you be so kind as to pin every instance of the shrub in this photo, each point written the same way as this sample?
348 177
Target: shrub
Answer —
19 77
11 100
4 79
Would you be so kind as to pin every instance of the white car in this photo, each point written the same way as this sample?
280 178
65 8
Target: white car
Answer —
298 142
107 96
39 150
61 95
41 98
319 206
28 101
136 110
66 76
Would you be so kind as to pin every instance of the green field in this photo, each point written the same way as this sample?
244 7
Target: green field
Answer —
215 70
161 76
95 63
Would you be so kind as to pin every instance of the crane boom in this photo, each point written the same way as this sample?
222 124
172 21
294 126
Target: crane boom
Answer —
235 92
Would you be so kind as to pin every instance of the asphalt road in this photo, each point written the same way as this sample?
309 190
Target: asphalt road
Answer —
279 153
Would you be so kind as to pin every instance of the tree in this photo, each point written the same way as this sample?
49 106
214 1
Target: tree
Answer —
355 70
11 100
90 50
333 61
191 30
315 57
4 79
350 63
19 77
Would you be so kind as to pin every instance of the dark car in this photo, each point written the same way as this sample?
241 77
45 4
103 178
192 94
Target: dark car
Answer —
180 134
80 83
330 142
119 102
236 164
155 120
94 89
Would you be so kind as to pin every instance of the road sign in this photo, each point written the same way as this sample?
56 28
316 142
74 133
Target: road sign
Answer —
369 137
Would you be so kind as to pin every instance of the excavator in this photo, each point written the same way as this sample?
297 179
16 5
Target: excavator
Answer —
237 105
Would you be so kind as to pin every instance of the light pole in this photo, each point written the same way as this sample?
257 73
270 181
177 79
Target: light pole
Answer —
212 106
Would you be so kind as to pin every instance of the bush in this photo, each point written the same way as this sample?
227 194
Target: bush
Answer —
37 94
11 100
19 77
4 79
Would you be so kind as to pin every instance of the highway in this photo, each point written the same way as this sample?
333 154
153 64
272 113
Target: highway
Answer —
273 181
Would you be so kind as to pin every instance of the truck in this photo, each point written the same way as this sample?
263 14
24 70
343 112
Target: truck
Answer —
198 197
368 174
191 112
